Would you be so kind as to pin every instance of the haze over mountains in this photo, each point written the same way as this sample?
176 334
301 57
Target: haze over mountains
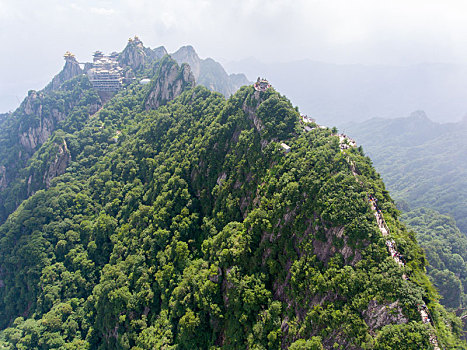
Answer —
207 72
144 211
338 93
151 198
424 163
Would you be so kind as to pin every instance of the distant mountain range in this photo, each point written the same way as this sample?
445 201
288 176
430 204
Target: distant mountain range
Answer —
423 163
207 72
140 210
334 94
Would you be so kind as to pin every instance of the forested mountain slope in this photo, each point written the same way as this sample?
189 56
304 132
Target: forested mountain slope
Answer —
185 224
28 133
446 250
423 163
30 157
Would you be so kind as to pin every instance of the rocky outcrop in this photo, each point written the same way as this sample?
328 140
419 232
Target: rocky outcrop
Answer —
55 157
169 82
325 250
59 164
133 55
3 180
34 137
69 71
31 126
45 122
210 73
379 315
37 134
187 54
250 107
158 52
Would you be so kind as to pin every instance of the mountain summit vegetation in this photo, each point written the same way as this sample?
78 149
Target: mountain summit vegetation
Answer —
182 220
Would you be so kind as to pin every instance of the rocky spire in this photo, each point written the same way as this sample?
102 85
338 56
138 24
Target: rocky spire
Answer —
133 55
187 54
70 70
158 52
169 82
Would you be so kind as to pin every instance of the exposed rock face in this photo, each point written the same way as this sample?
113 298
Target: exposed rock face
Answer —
206 72
171 80
36 135
213 76
187 54
87 67
379 315
58 160
159 52
70 70
133 55
3 180
210 73
238 80
58 165
250 107
327 249
31 126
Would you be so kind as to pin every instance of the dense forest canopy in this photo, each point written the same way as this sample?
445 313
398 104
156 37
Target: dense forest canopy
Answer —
187 226
446 251
424 166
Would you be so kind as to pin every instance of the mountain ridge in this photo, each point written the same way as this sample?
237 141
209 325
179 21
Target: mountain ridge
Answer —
205 222
136 61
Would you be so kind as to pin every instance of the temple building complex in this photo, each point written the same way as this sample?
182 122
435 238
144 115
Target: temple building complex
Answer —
261 84
105 73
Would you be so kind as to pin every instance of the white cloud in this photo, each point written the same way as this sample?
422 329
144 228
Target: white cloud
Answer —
168 20
76 7
9 12
102 11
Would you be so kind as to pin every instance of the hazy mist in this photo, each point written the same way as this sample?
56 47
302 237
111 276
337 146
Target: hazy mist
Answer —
36 34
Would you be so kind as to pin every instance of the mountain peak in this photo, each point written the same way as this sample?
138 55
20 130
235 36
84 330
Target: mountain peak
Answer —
187 49
133 55
187 54
205 223
421 115
169 82
159 52
70 70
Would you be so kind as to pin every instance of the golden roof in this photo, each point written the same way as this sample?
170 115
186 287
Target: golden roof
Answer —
68 54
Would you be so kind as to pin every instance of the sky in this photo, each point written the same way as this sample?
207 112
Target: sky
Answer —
36 34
